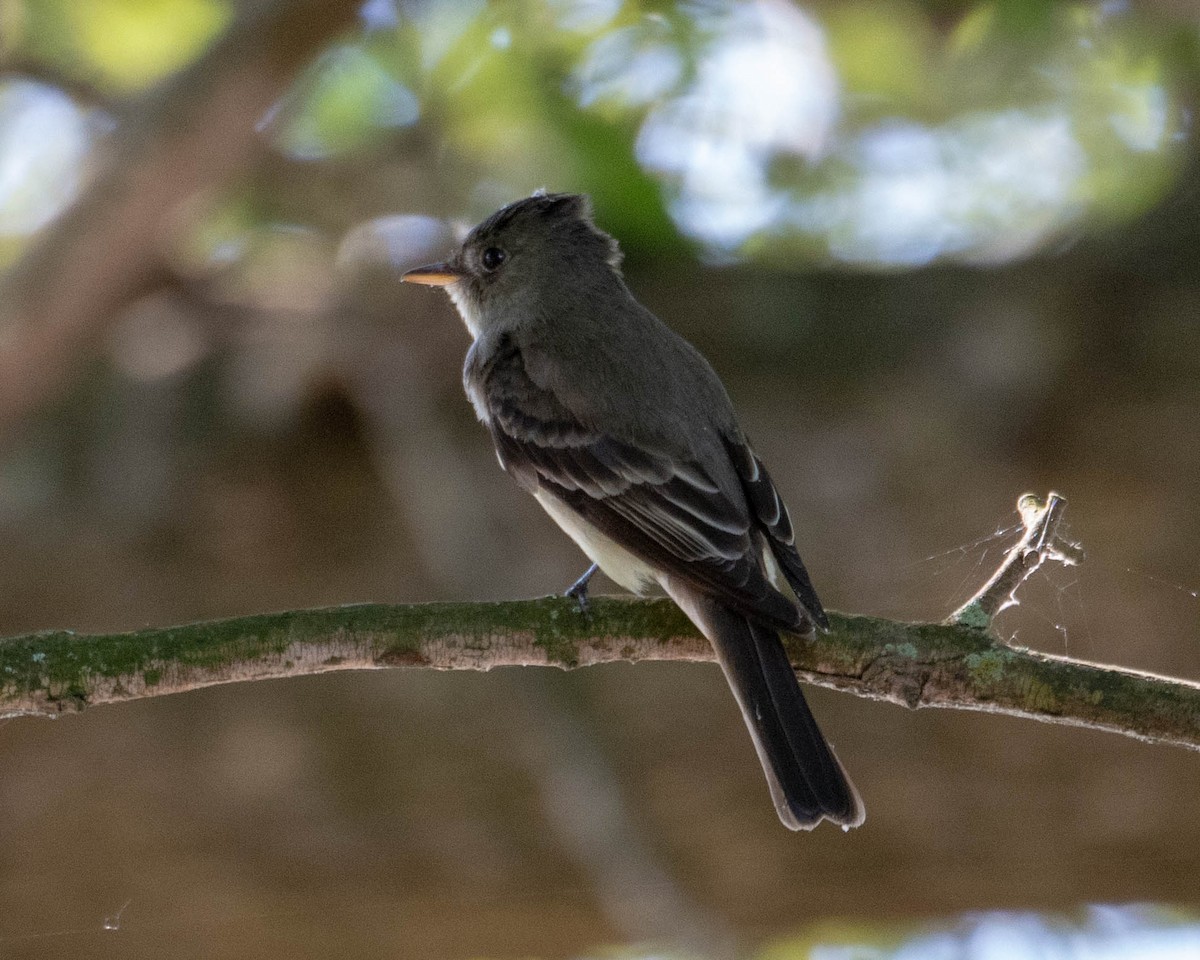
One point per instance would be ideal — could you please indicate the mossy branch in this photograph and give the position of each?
(954, 664)
(914, 664)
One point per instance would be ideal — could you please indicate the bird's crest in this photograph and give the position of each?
(557, 211)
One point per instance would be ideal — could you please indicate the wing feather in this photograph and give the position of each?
(771, 517)
(664, 509)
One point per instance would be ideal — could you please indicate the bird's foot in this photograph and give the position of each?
(578, 591)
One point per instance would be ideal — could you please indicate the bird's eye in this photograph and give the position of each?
(492, 258)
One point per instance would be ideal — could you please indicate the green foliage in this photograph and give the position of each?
(986, 136)
(122, 45)
(881, 136)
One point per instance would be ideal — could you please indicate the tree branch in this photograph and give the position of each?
(915, 665)
(1039, 543)
(192, 133)
(954, 664)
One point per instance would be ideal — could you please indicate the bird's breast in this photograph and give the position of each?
(618, 564)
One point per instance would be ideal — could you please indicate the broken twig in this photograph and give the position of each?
(1041, 542)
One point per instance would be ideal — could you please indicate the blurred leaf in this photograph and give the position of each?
(12, 26)
(347, 100)
(882, 51)
(972, 30)
(132, 43)
(1024, 20)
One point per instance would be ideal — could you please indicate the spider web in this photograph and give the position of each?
(1082, 611)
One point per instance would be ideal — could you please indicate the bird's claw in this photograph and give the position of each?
(578, 591)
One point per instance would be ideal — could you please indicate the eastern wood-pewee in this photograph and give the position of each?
(625, 435)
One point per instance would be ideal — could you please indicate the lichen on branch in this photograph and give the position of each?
(955, 664)
(913, 664)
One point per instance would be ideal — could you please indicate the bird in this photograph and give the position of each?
(625, 435)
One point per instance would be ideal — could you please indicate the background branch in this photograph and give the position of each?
(193, 133)
(913, 664)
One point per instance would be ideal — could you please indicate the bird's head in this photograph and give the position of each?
(521, 261)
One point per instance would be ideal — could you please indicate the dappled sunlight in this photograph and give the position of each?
(45, 139)
(765, 87)
(630, 66)
(346, 100)
(769, 131)
(131, 44)
(983, 185)
(986, 188)
(394, 244)
(1135, 932)
(758, 145)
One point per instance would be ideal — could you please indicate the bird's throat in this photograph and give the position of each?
(468, 309)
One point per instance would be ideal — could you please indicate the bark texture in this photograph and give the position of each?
(912, 664)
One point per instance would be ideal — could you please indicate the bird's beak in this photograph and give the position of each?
(434, 275)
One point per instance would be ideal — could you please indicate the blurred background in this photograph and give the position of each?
(941, 253)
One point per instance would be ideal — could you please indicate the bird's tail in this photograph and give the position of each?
(806, 779)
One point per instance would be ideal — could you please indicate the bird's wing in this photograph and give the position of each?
(664, 509)
(771, 517)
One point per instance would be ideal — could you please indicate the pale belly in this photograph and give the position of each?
(617, 563)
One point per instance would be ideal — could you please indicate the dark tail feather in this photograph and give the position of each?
(838, 799)
(807, 782)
